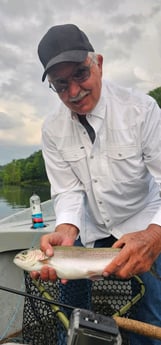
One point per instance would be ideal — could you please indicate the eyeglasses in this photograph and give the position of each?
(81, 74)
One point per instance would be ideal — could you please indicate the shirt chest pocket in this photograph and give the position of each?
(123, 163)
(76, 158)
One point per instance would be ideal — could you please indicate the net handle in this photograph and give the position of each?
(138, 327)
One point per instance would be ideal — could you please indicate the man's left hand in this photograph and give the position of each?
(139, 250)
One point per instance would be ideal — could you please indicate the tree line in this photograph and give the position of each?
(156, 94)
(22, 171)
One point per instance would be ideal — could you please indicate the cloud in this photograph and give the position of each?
(126, 33)
(7, 122)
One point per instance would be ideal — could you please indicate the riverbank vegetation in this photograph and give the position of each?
(23, 171)
(32, 169)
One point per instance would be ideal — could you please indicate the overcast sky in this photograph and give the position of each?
(125, 32)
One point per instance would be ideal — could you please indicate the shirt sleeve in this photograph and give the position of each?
(151, 145)
(66, 189)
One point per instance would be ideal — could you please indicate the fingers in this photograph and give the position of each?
(34, 275)
(46, 244)
(48, 241)
(120, 266)
(131, 259)
(54, 239)
(124, 266)
(119, 244)
(49, 251)
(64, 281)
(117, 270)
(46, 273)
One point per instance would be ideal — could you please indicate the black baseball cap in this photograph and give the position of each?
(63, 43)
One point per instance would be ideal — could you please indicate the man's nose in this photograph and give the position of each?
(73, 88)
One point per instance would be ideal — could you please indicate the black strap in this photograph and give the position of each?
(88, 127)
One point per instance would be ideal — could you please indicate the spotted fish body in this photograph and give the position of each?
(68, 262)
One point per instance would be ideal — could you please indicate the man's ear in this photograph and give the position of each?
(100, 62)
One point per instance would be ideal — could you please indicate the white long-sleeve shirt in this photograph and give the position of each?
(113, 185)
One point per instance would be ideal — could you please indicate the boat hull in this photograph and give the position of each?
(16, 234)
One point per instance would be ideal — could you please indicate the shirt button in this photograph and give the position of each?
(100, 202)
(107, 220)
(92, 157)
(95, 181)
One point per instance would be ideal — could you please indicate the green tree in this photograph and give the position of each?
(156, 93)
(11, 173)
(23, 170)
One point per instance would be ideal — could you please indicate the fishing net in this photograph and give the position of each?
(41, 322)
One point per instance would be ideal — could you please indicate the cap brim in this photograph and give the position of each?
(69, 56)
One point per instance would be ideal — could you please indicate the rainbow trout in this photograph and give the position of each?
(68, 262)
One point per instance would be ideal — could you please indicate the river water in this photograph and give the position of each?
(16, 198)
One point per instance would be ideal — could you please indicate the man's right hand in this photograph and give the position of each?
(64, 235)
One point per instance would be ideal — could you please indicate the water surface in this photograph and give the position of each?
(16, 198)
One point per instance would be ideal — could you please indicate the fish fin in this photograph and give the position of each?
(94, 276)
(45, 261)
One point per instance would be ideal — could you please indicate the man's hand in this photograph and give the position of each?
(64, 235)
(139, 250)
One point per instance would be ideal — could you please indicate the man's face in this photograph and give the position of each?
(78, 85)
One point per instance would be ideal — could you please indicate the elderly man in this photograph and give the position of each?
(102, 151)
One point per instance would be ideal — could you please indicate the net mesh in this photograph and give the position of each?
(41, 325)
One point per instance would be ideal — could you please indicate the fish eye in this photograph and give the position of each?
(24, 252)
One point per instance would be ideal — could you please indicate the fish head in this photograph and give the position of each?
(30, 259)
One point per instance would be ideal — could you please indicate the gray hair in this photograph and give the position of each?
(93, 57)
